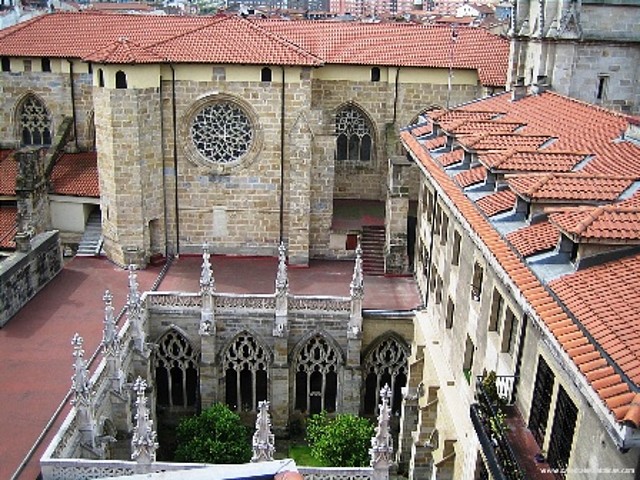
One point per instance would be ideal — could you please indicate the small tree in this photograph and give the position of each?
(341, 442)
(215, 436)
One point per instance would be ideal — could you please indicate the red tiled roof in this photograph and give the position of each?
(76, 174)
(536, 238)
(576, 126)
(504, 141)
(435, 142)
(451, 158)
(531, 161)
(124, 51)
(424, 129)
(497, 202)
(399, 44)
(8, 218)
(471, 177)
(612, 223)
(573, 186)
(232, 39)
(8, 173)
(605, 300)
(588, 358)
(476, 127)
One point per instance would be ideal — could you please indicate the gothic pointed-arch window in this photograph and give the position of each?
(176, 365)
(35, 122)
(354, 142)
(386, 364)
(246, 365)
(121, 79)
(316, 376)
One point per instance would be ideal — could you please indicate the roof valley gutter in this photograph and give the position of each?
(175, 156)
(73, 104)
(282, 124)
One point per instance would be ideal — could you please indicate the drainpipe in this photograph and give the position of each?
(432, 234)
(164, 182)
(282, 112)
(73, 104)
(395, 97)
(175, 155)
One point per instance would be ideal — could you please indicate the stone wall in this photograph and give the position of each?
(25, 273)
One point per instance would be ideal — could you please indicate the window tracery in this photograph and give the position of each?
(246, 373)
(386, 364)
(176, 365)
(35, 122)
(354, 136)
(222, 132)
(317, 376)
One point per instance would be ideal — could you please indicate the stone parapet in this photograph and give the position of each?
(25, 273)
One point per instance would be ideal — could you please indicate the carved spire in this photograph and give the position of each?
(282, 293)
(207, 282)
(381, 450)
(134, 294)
(207, 288)
(109, 338)
(282, 280)
(80, 379)
(357, 281)
(143, 443)
(263, 439)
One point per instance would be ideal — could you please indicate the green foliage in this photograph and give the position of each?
(303, 457)
(341, 442)
(215, 436)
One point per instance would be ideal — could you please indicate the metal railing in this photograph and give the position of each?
(489, 422)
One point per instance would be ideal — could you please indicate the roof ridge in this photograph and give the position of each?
(543, 180)
(600, 108)
(591, 216)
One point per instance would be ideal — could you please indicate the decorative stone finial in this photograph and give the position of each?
(381, 449)
(109, 332)
(134, 294)
(282, 280)
(80, 379)
(263, 439)
(207, 282)
(357, 281)
(144, 442)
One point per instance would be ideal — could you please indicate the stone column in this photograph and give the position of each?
(32, 197)
(111, 348)
(397, 210)
(353, 370)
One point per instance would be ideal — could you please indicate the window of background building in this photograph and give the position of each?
(375, 74)
(449, 314)
(541, 401)
(561, 440)
(476, 285)
(496, 310)
(509, 328)
(444, 228)
(245, 364)
(316, 377)
(176, 368)
(45, 63)
(6, 64)
(121, 79)
(354, 139)
(265, 74)
(601, 90)
(467, 362)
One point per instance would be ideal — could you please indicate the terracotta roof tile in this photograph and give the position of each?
(610, 223)
(8, 173)
(577, 128)
(530, 161)
(573, 186)
(465, 126)
(8, 218)
(451, 158)
(606, 296)
(633, 414)
(471, 177)
(436, 142)
(497, 202)
(76, 174)
(232, 39)
(533, 239)
(503, 141)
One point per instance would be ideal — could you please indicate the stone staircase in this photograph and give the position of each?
(372, 244)
(91, 242)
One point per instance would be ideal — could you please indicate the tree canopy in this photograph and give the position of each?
(340, 442)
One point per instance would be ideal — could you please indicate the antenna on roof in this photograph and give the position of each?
(454, 38)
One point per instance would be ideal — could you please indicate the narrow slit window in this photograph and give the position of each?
(265, 74)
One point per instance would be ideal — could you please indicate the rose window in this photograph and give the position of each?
(222, 132)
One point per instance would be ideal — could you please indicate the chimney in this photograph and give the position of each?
(632, 133)
(518, 90)
(540, 86)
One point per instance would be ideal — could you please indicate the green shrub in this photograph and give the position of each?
(215, 436)
(341, 442)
